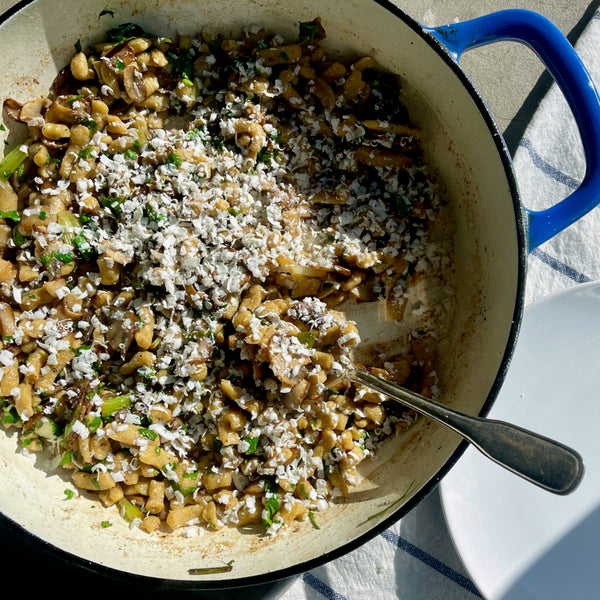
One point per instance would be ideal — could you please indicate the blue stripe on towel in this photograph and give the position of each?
(554, 173)
(431, 561)
(561, 267)
(546, 168)
(321, 587)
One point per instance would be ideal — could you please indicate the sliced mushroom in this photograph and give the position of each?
(55, 144)
(67, 110)
(32, 112)
(64, 84)
(134, 84)
(121, 331)
(12, 108)
(118, 57)
(287, 359)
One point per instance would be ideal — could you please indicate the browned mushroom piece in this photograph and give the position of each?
(12, 109)
(55, 144)
(68, 109)
(32, 112)
(134, 84)
(118, 57)
(121, 331)
(287, 359)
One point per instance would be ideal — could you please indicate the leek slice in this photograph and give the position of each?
(11, 162)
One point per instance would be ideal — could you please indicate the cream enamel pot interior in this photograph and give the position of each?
(492, 236)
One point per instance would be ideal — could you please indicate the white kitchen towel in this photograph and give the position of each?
(415, 559)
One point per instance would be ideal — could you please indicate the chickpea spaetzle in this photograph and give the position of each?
(180, 234)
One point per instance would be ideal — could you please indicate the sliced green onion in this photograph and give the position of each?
(70, 222)
(308, 337)
(311, 517)
(47, 428)
(129, 511)
(11, 162)
(211, 570)
(114, 404)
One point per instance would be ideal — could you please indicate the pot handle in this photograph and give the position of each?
(561, 59)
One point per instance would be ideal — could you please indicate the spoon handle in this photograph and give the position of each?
(538, 459)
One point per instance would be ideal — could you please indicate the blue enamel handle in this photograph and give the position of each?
(559, 57)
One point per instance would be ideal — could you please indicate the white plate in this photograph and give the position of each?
(519, 542)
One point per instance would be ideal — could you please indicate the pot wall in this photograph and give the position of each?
(38, 40)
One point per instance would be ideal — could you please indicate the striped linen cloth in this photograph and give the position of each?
(415, 559)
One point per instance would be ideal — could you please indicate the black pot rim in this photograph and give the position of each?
(299, 568)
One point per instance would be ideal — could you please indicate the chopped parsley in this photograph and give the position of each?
(308, 30)
(252, 444)
(90, 124)
(401, 205)
(11, 215)
(113, 205)
(130, 154)
(84, 153)
(174, 159)
(271, 504)
(126, 31)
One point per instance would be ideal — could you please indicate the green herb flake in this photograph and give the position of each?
(66, 258)
(10, 416)
(271, 504)
(105, 524)
(308, 338)
(83, 246)
(113, 205)
(90, 124)
(147, 433)
(65, 460)
(130, 154)
(153, 216)
(84, 153)
(401, 205)
(11, 215)
(308, 30)
(264, 155)
(125, 31)
(69, 494)
(119, 66)
(217, 444)
(18, 238)
(252, 444)
(174, 159)
(313, 521)
(218, 142)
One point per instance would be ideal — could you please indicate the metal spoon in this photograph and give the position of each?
(538, 459)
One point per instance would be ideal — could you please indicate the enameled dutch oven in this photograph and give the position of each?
(493, 236)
